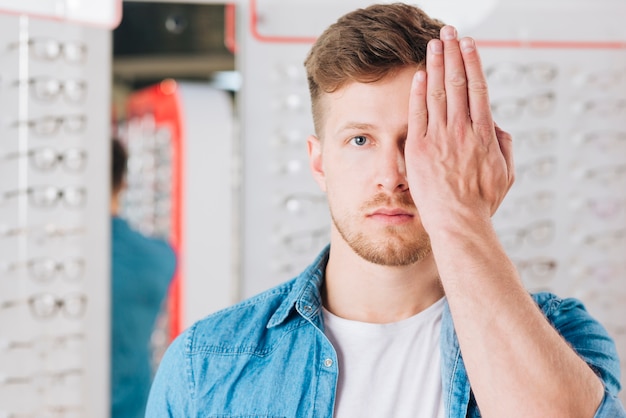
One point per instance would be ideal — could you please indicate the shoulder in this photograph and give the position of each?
(566, 313)
(124, 239)
(587, 336)
(245, 326)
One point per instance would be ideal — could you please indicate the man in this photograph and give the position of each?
(141, 271)
(414, 310)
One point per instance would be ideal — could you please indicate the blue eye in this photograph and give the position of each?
(359, 140)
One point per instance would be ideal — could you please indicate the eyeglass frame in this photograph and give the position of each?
(62, 47)
(60, 193)
(58, 157)
(55, 304)
(55, 268)
(62, 88)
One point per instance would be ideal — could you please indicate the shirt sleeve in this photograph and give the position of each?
(171, 394)
(593, 344)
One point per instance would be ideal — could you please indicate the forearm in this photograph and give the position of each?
(517, 363)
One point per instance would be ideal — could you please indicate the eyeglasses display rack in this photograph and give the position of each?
(181, 148)
(54, 218)
(559, 89)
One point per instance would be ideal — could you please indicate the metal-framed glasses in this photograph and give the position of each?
(48, 89)
(48, 49)
(51, 125)
(46, 159)
(49, 196)
(539, 104)
(537, 268)
(46, 305)
(536, 234)
(44, 269)
(511, 72)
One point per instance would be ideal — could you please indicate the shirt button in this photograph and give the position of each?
(307, 308)
(328, 362)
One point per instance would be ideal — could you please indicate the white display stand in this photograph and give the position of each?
(54, 218)
(101, 13)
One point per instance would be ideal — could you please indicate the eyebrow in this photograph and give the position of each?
(356, 126)
(361, 126)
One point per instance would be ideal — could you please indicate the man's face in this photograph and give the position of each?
(359, 163)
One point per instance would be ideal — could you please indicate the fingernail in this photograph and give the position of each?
(436, 46)
(448, 33)
(467, 45)
(420, 76)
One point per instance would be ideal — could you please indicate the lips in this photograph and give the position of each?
(390, 212)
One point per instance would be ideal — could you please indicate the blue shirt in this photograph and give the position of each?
(142, 269)
(268, 357)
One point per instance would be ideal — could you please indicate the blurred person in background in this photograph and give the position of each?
(141, 271)
(414, 310)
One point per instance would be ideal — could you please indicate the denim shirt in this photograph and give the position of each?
(268, 357)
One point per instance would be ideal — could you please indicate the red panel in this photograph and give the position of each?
(163, 102)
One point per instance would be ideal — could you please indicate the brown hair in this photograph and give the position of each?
(365, 46)
(119, 159)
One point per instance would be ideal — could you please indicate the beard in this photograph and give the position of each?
(398, 246)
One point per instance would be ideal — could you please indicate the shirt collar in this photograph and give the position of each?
(305, 295)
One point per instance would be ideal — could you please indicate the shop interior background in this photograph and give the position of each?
(211, 100)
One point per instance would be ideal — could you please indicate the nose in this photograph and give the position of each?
(392, 170)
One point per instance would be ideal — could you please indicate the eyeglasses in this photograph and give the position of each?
(43, 270)
(50, 125)
(288, 137)
(293, 166)
(606, 174)
(603, 208)
(7, 231)
(538, 139)
(302, 202)
(46, 159)
(292, 102)
(539, 104)
(538, 202)
(289, 71)
(537, 234)
(43, 380)
(604, 140)
(603, 79)
(306, 241)
(60, 411)
(541, 168)
(538, 268)
(608, 107)
(510, 72)
(47, 89)
(598, 273)
(73, 52)
(45, 305)
(41, 233)
(49, 196)
(606, 240)
(43, 345)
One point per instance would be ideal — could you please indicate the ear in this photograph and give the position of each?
(314, 148)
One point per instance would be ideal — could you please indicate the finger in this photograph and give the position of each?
(435, 90)
(455, 79)
(478, 95)
(418, 111)
(506, 147)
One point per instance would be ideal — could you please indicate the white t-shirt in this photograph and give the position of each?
(388, 370)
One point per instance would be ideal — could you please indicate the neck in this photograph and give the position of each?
(115, 205)
(358, 290)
